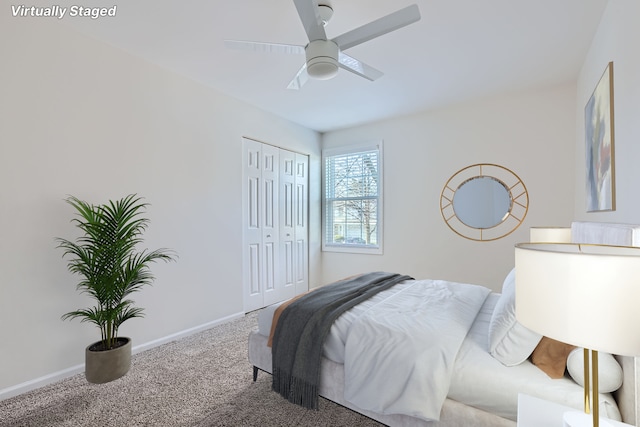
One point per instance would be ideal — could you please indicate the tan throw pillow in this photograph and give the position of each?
(551, 356)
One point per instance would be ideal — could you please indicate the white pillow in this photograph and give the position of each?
(610, 373)
(509, 341)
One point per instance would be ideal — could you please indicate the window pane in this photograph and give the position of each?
(354, 222)
(352, 175)
(352, 198)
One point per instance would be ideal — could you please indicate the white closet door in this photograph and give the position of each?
(271, 224)
(301, 216)
(252, 222)
(287, 223)
(275, 253)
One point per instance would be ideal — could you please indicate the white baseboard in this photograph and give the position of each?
(185, 333)
(53, 377)
(40, 382)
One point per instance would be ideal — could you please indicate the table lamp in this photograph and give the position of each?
(550, 234)
(584, 295)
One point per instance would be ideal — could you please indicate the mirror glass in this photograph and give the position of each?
(482, 202)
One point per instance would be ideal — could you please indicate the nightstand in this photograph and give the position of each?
(536, 412)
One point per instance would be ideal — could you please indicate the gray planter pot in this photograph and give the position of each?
(107, 365)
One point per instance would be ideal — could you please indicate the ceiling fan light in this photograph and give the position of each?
(322, 68)
(322, 59)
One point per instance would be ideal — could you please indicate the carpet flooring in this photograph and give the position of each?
(202, 380)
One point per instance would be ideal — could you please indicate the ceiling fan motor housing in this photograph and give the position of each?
(322, 59)
(326, 12)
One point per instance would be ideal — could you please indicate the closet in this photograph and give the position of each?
(275, 218)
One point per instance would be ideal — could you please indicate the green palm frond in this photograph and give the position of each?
(107, 258)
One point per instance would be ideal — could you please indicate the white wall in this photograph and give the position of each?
(617, 41)
(531, 134)
(80, 118)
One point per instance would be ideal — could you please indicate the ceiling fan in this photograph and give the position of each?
(324, 56)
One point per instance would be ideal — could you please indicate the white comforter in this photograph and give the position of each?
(399, 354)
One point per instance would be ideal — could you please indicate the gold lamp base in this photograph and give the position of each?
(591, 415)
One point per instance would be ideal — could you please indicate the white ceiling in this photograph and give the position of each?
(460, 50)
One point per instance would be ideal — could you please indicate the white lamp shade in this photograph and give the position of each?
(585, 295)
(550, 234)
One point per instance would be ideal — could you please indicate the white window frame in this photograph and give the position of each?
(361, 249)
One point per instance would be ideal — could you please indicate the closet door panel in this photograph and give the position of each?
(252, 280)
(287, 223)
(271, 223)
(301, 230)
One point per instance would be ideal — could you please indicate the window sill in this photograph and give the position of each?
(353, 249)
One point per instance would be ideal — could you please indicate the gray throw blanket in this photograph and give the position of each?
(303, 326)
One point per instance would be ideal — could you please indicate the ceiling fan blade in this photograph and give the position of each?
(300, 79)
(310, 18)
(384, 25)
(349, 63)
(264, 47)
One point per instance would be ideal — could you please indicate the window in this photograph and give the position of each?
(352, 180)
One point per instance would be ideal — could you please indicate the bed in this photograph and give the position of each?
(489, 367)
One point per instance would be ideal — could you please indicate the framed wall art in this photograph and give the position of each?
(599, 137)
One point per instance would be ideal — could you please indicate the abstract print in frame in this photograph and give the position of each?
(599, 145)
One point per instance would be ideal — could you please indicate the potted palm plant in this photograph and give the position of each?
(112, 267)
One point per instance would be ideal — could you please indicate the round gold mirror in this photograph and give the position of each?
(484, 202)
